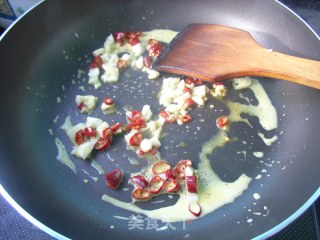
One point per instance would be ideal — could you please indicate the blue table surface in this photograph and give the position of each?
(14, 226)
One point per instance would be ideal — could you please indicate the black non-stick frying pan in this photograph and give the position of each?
(41, 55)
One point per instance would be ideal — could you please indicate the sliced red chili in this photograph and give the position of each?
(119, 37)
(189, 80)
(170, 174)
(198, 81)
(191, 182)
(163, 114)
(102, 144)
(96, 62)
(107, 133)
(79, 137)
(152, 151)
(218, 83)
(141, 194)
(171, 186)
(187, 89)
(89, 132)
(154, 48)
(133, 41)
(127, 35)
(116, 127)
(160, 167)
(151, 42)
(185, 118)
(81, 105)
(133, 115)
(179, 170)
(136, 139)
(114, 178)
(156, 183)
(137, 124)
(138, 34)
(108, 101)
(147, 61)
(221, 121)
(133, 37)
(188, 103)
(122, 64)
(140, 181)
(195, 209)
(166, 117)
(187, 162)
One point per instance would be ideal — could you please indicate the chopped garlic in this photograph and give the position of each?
(218, 90)
(241, 83)
(146, 145)
(94, 77)
(153, 74)
(137, 49)
(108, 108)
(83, 150)
(87, 103)
(139, 63)
(146, 113)
(108, 44)
(93, 122)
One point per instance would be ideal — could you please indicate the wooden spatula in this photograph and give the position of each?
(215, 53)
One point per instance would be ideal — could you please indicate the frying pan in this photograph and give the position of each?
(41, 55)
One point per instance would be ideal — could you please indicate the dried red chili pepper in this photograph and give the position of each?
(102, 144)
(133, 115)
(221, 121)
(147, 62)
(152, 151)
(141, 194)
(107, 133)
(114, 178)
(119, 37)
(188, 103)
(185, 118)
(179, 170)
(136, 139)
(96, 62)
(187, 89)
(89, 132)
(108, 101)
(166, 117)
(81, 106)
(140, 181)
(160, 168)
(189, 80)
(191, 182)
(137, 124)
(122, 64)
(154, 47)
(156, 184)
(116, 127)
(198, 81)
(79, 137)
(171, 186)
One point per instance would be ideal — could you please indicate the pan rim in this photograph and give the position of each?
(19, 19)
(57, 235)
(297, 16)
(29, 217)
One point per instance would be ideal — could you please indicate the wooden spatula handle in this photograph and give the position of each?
(286, 67)
(217, 53)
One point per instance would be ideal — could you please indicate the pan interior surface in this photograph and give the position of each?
(47, 66)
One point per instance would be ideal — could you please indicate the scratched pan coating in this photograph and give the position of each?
(44, 51)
